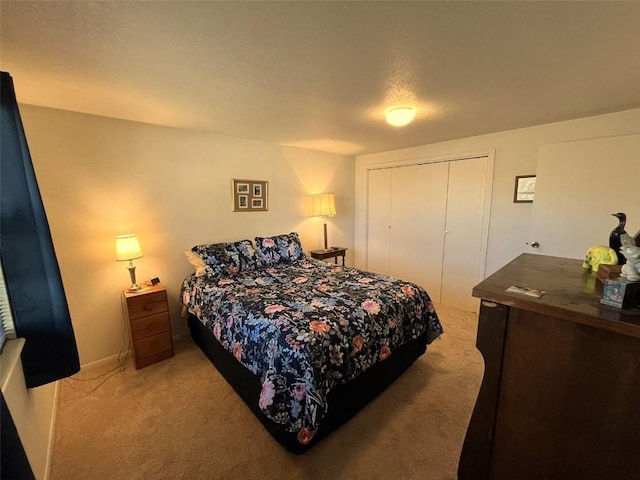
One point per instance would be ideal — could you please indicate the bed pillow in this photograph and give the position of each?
(247, 254)
(279, 249)
(226, 258)
(219, 258)
(197, 262)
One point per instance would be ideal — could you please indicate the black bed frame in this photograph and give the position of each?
(344, 401)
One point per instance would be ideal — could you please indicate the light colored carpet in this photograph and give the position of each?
(179, 419)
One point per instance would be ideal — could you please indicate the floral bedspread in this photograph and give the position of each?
(307, 326)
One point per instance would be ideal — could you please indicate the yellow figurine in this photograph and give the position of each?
(598, 254)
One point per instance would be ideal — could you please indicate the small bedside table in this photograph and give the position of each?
(330, 253)
(147, 313)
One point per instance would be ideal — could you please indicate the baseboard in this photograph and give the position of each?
(105, 361)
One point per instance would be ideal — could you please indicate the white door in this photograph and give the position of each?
(418, 209)
(578, 186)
(378, 220)
(463, 247)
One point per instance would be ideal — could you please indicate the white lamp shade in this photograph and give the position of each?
(324, 205)
(127, 248)
(400, 116)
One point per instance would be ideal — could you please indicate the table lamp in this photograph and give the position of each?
(324, 206)
(128, 249)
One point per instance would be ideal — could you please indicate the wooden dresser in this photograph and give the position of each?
(147, 313)
(560, 397)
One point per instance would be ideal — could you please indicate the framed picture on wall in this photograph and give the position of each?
(249, 195)
(525, 189)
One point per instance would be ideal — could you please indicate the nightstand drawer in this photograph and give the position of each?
(148, 304)
(153, 345)
(151, 325)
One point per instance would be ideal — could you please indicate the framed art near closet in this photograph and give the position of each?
(525, 189)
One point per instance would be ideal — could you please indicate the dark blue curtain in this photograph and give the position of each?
(39, 306)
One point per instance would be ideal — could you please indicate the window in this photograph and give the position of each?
(7, 329)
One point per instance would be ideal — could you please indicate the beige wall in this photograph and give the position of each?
(32, 410)
(516, 153)
(101, 177)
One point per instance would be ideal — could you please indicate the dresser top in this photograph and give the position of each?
(144, 290)
(571, 293)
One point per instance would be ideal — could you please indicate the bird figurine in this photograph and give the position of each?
(627, 239)
(615, 238)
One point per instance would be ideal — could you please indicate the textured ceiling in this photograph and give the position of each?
(320, 75)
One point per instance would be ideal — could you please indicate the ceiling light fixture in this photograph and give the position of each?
(400, 116)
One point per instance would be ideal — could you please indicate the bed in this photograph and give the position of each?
(306, 344)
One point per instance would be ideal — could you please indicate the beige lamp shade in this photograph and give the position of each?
(127, 248)
(324, 205)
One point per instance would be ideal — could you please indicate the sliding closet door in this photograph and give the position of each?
(427, 223)
(463, 246)
(378, 220)
(418, 208)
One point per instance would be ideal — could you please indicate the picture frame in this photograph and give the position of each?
(249, 195)
(525, 189)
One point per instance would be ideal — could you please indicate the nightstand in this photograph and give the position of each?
(333, 252)
(147, 313)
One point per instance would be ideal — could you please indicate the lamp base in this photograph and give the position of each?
(325, 235)
(132, 273)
